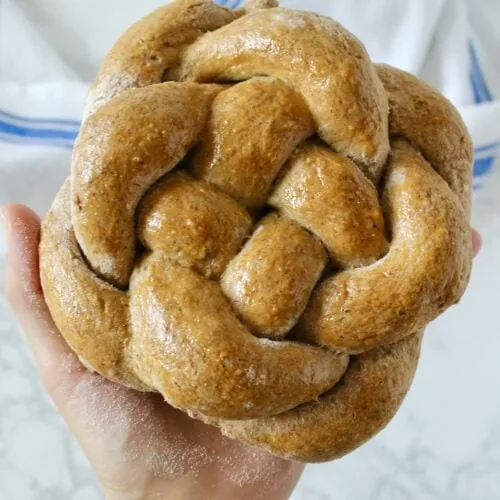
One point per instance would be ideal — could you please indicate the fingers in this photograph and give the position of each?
(476, 242)
(24, 292)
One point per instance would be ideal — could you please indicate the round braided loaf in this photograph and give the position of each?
(259, 224)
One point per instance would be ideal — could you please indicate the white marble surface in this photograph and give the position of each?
(443, 445)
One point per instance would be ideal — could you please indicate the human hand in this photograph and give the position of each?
(139, 446)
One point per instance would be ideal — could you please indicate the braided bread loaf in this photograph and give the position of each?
(259, 224)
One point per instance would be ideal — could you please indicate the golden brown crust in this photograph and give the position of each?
(430, 123)
(91, 314)
(109, 157)
(246, 169)
(208, 247)
(153, 46)
(327, 194)
(316, 57)
(201, 358)
(260, 4)
(271, 296)
(342, 419)
(426, 270)
(193, 224)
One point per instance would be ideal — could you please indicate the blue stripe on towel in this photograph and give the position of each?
(483, 166)
(11, 117)
(488, 147)
(36, 141)
(486, 156)
(12, 129)
(477, 79)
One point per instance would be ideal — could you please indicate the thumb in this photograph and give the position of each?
(476, 242)
(25, 295)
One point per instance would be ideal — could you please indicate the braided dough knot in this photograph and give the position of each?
(259, 224)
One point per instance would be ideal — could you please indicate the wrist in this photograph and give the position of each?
(201, 488)
(154, 490)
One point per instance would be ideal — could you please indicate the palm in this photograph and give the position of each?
(135, 441)
(134, 438)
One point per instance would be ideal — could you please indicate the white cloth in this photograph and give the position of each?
(50, 50)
